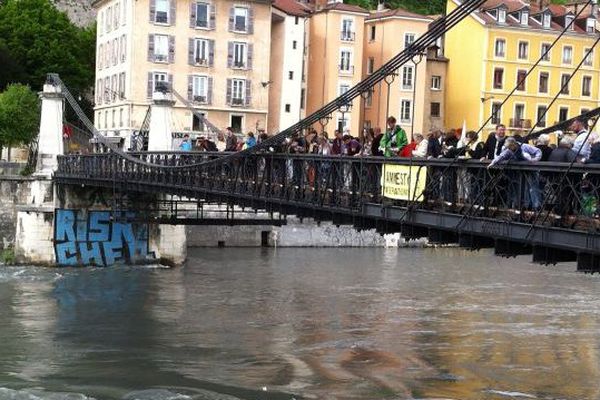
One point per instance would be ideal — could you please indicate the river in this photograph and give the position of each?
(302, 323)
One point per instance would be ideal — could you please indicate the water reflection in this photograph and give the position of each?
(320, 323)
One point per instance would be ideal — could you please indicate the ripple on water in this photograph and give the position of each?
(34, 394)
(28, 274)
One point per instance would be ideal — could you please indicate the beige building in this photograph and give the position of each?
(335, 61)
(415, 96)
(214, 53)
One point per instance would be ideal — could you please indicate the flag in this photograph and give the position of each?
(463, 135)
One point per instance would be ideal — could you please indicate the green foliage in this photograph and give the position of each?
(19, 115)
(36, 38)
(7, 256)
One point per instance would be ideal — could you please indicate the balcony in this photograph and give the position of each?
(160, 58)
(200, 99)
(203, 62)
(347, 36)
(162, 17)
(235, 101)
(239, 65)
(519, 123)
(346, 69)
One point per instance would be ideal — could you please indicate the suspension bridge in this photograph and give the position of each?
(449, 201)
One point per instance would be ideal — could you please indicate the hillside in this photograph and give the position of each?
(79, 11)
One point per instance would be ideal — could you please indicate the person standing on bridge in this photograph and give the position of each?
(495, 143)
(582, 146)
(230, 140)
(394, 139)
(186, 144)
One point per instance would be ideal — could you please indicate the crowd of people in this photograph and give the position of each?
(498, 148)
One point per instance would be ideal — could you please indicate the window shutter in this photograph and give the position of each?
(193, 15)
(170, 78)
(151, 48)
(250, 55)
(229, 90)
(229, 54)
(190, 91)
(152, 11)
(209, 91)
(250, 21)
(211, 53)
(171, 49)
(173, 12)
(231, 18)
(191, 51)
(213, 17)
(150, 88)
(248, 93)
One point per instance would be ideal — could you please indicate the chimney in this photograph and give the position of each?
(380, 5)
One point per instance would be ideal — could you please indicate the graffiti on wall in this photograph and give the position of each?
(99, 238)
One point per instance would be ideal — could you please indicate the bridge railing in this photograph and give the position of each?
(549, 194)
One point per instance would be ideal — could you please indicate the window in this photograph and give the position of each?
(589, 57)
(347, 30)
(114, 117)
(238, 89)
(567, 55)
(586, 86)
(501, 16)
(108, 19)
(123, 48)
(569, 22)
(121, 118)
(101, 23)
(294, 44)
(372, 33)
(564, 83)
(302, 97)
(107, 96)
(546, 20)
(161, 48)
(523, 50)
(563, 114)
(519, 113)
(200, 88)
(115, 52)
(160, 81)
(100, 57)
(291, 75)
(345, 61)
(124, 19)
(370, 65)
(435, 110)
(545, 52)
(201, 51)
(287, 108)
(524, 18)
(106, 119)
(406, 111)
(498, 78)
(239, 55)
(198, 122)
(99, 91)
(436, 82)
(113, 87)
(296, 20)
(162, 11)
(122, 85)
(541, 116)
(202, 15)
(117, 15)
(496, 113)
(408, 73)
(500, 48)
(521, 77)
(544, 78)
(344, 87)
(590, 26)
(369, 99)
(409, 38)
(240, 19)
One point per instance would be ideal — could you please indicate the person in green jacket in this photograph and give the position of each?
(394, 139)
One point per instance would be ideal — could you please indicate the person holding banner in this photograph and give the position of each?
(394, 139)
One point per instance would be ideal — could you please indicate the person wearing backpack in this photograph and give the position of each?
(394, 139)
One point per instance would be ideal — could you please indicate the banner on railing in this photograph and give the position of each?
(403, 182)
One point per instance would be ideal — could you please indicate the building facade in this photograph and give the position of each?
(335, 62)
(409, 96)
(509, 36)
(289, 53)
(215, 54)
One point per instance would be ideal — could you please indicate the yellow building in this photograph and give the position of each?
(416, 93)
(492, 50)
(214, 53)
(335, 61)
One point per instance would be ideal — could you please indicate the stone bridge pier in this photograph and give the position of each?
(79, 226)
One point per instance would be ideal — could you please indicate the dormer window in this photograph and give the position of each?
(501, 16)
(569, 22)
(524, 18)
(546, 18)
(590, 25)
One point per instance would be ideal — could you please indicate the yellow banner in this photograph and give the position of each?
(402, 182)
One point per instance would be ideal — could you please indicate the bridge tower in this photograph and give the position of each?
(160, 136)
(50, 142)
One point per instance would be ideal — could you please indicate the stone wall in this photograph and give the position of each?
(13, 190)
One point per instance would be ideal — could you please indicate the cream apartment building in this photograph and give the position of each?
(335, 61)
(214, 53)
(416, 93)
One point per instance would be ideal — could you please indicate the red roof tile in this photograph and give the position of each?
(397, 12)
(292, 7)
(344, 7)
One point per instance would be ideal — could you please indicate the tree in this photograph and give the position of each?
(19, 115)
(40, 39)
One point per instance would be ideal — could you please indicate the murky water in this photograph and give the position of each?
(303, 323)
